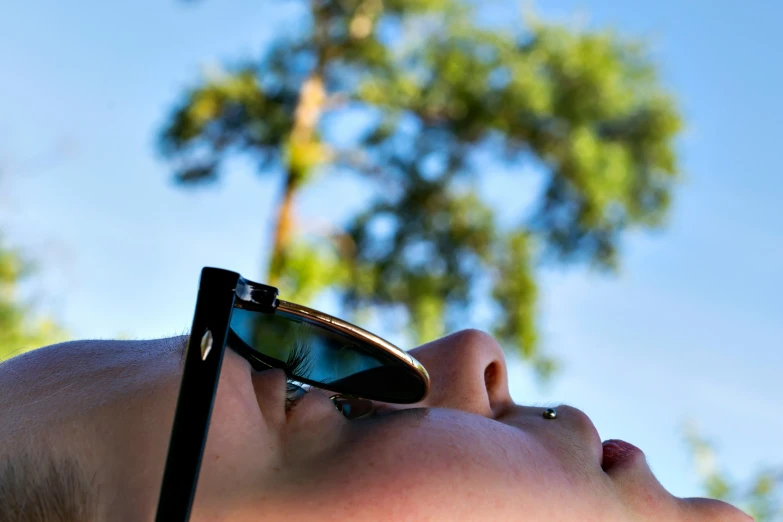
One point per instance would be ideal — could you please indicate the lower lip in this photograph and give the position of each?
(617, 453)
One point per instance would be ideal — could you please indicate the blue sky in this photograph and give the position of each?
(690, 329)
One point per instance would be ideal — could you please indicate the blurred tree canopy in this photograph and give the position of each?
(409, 96)
(18, 331)
(761, 497)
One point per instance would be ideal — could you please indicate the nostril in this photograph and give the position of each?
(491, 376)
(496, 388)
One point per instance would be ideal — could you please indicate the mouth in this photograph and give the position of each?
(617, 454)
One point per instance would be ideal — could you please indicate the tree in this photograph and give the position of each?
(761, 497)
(18, 331)
(429, 95)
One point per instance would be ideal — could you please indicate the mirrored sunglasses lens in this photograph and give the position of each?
(310, 352)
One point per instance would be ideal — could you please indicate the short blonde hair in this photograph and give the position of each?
(35, 487)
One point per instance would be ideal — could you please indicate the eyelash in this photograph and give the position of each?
(298, 365)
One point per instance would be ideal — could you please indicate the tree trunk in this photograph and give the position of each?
(302, 158)
(303, 145)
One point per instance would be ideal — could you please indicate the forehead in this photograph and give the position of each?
(71, 379)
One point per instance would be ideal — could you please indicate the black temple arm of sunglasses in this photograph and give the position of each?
(203, 360)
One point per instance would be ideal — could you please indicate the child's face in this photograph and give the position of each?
(465, 453)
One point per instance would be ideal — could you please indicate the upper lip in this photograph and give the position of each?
(586, 428)
(569, 418)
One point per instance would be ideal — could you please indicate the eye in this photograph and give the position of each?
(293, 394)
(353, 407)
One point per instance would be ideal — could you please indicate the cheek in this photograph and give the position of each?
(236, 411)
(239, 445)
(455, 470)
(236, 421)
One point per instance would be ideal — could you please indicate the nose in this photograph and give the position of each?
(468, 372)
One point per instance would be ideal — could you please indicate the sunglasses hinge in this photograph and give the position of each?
(261, 295)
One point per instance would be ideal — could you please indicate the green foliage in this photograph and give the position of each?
(311, 266)
(760, 497)
(441, 238)
(439, 92)
(231, 113)
(18, 333)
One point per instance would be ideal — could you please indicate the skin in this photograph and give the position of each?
(465, 453)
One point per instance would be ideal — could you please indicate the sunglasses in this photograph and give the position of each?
(310, 346)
